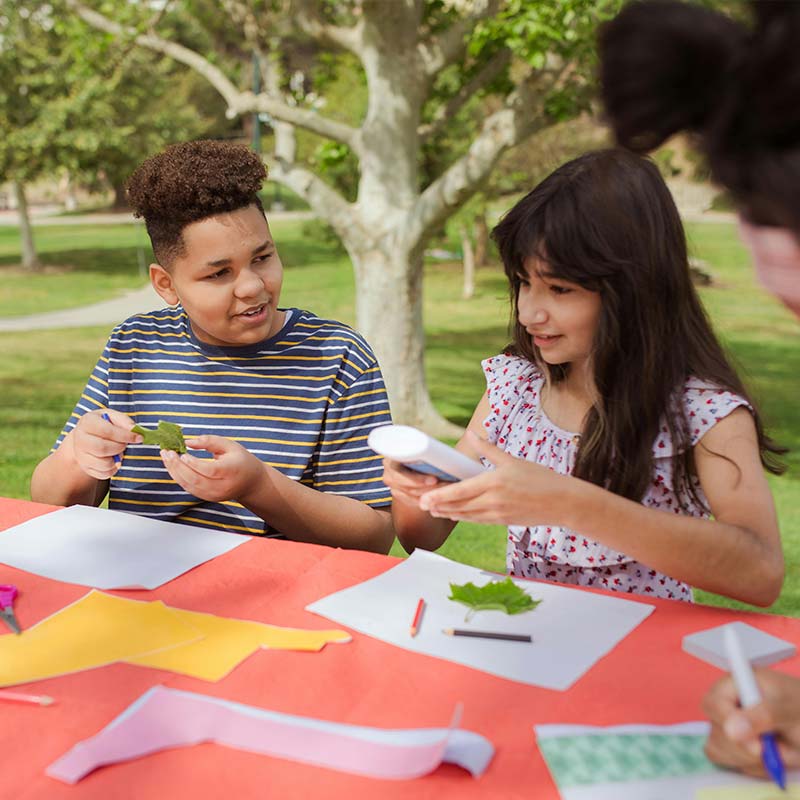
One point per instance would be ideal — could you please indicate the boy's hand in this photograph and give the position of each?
(405, 484)
(232, 474)
(95, 441)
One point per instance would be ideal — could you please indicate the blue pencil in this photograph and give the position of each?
(117, 459)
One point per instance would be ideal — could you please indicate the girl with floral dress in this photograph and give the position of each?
(741, 108)
(626, 453)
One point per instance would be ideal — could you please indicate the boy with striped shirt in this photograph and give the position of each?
(277, 402)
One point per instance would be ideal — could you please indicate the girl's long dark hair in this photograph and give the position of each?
(607, 222)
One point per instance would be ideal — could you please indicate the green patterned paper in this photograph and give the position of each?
(616, 758)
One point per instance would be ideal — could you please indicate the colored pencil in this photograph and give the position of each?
(18, 697)
(105, 416)
(509, 637)
(417, 617)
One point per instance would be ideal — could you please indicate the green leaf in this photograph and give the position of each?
(495, 595)
(168, 436)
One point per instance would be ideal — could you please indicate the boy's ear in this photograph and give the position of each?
(162, 283)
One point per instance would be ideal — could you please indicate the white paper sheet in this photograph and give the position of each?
(110, 549)
(571, 629)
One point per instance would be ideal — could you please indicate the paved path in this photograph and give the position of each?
(48, 215)
(108, 312)
(54, 215)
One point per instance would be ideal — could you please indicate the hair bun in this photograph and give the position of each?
(663, 68)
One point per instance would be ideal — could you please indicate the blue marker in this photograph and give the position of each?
(117, 459)
(747, 688)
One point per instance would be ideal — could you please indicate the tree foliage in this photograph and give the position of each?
(438, 91)
(71, 100)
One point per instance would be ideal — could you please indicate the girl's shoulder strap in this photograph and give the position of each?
(505, 368)
(512, 383)
(703, 404)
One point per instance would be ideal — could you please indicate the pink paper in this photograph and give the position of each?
(164, 718)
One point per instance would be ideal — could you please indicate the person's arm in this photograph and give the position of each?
(300, 512)
(737, 554)
(733, 741)
(79, 470)
(415, 527)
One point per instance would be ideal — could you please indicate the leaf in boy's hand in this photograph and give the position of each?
(168, 436)
(495, 595)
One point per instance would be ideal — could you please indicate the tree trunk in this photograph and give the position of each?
(481, 239)
(398, 338)
(30, 259)
(120, 199)
(468, 260)
(67, 190)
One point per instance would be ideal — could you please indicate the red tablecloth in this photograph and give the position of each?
(647, 678)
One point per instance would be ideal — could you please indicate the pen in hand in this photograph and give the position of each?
(749, 695)
(105, 416)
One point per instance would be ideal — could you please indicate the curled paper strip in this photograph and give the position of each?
(163, 718)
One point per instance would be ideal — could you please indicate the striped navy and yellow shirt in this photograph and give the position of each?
(303, 401)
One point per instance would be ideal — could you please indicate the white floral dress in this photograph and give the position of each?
(518, 425)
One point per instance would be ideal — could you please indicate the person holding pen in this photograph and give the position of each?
(735, 731)
(673, 66)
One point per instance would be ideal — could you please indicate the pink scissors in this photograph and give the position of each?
(7, 594)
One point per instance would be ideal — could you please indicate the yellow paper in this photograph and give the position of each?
(766, 790)
(227, 642)
(96, 630)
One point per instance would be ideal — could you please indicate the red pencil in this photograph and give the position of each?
(417, 617)
(19, 697)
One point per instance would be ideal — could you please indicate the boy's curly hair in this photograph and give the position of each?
(191, 181)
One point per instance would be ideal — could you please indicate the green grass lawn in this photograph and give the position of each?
(83, 264)
(43, 373)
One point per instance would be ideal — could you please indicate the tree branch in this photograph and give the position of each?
(324, 200)
(184, 55)
(308, 20)
(238, 102)
(310, 120)
(490, 70)
(502, 130)
(451, 43)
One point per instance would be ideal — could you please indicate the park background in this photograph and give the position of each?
(497, 94)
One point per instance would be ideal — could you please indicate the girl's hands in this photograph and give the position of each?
(733, 741)
(516, 492)
(95, 441)
(232, 474)
(405, 484)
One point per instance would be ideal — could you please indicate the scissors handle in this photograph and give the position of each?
(8, 616)
(8, 593)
